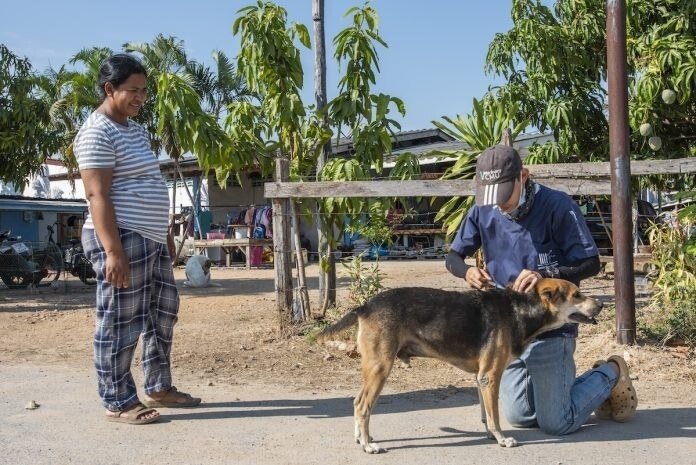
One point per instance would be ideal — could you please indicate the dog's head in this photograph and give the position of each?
(564, 300)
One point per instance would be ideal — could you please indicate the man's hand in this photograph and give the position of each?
(478, 278)
(526, 281)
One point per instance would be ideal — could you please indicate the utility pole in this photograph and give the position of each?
(621, 210)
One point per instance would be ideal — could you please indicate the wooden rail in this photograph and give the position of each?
(570, 178)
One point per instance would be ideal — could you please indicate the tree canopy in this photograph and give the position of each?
(187, 101)
(554, 63)
(26, 138)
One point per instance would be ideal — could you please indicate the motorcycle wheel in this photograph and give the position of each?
(51, 266)
(54, 262)
(85, 271)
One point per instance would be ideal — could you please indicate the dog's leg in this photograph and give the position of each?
(483, 412)
(492, 362)
(489, 383)
(375, 370)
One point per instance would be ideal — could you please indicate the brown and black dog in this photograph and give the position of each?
(477, 331)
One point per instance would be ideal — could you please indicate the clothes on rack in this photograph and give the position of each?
(255, 216)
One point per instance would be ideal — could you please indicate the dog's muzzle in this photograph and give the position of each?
(587, 316)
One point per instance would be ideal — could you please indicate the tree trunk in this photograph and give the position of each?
(172, 220)
(327, 275)
(301, 297)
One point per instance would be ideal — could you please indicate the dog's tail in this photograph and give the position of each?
(349, 319)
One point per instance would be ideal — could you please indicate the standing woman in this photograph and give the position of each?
(126, 238)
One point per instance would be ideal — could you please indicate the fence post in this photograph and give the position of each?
(507, 137)
(282, 251)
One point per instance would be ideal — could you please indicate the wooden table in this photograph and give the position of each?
(405, 233)
(229, 245)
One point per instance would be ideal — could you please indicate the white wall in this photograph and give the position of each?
(182, 198)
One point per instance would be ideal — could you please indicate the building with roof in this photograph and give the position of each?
(29, 217)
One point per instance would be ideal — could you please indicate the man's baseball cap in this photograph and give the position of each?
(497, 169)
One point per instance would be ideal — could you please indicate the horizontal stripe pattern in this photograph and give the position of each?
(138, 191)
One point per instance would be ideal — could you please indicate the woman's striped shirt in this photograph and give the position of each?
(138, 191)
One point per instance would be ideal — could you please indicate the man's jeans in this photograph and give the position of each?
(540, 388)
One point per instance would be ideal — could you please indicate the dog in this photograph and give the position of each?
(477, 331)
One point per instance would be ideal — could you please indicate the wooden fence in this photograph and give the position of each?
(573, 178)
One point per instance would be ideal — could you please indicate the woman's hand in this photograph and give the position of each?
(117, 271)
(478, 278)
(526, 281)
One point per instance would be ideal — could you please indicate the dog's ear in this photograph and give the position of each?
(547, 291)
(554, 291)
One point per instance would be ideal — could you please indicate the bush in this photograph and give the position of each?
(676, 325)
(365, 282)
(674, 257)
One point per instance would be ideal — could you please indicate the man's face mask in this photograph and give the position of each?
(512, 214)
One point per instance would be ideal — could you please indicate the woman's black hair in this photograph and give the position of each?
(116, 69)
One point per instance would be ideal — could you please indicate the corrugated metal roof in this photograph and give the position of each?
(522, 142)
(16, 203)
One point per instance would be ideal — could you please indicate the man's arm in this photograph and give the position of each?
(576, 272)
(455, 264)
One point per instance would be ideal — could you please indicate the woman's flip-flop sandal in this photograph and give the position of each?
(623, 398)
(138, 414)
(173, 399)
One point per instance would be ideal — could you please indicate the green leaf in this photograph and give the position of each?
(303, 34)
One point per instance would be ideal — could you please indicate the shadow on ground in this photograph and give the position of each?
(333, 407)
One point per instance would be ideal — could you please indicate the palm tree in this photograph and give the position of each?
(54, 87)
(163, 55)
(70, 97)
(215, 89)
(219, 86)
(187, 101)
(84, 94)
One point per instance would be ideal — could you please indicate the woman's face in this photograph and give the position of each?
(127, 99)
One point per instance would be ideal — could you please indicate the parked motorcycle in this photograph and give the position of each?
(77, 264)
(22, 265)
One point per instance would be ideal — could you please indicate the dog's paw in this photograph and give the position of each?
(508, 442)
(372, 448)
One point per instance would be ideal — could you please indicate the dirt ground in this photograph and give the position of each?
(228, 335)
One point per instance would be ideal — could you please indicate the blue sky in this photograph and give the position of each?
(434, 62)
